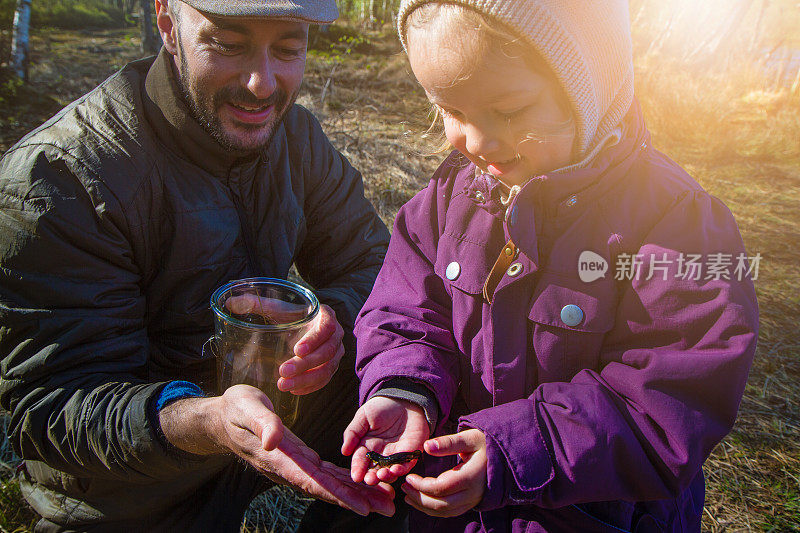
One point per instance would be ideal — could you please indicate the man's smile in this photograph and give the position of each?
(250, 114)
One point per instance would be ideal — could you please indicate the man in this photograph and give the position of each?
(118, 219)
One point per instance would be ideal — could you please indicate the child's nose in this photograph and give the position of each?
(482, 143)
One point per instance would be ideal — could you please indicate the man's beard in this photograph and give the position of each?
(205, 110)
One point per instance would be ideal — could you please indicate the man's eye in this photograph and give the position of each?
(284, 52)
(226, 48)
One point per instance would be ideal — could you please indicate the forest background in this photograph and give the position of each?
(719, 82)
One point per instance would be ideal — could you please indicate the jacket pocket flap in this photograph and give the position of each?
(595, 303)
(463, 264)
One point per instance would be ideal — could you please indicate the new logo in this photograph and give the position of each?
(591, 266)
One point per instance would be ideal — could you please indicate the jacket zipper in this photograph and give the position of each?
(247, 234)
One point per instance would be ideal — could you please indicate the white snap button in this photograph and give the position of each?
(572, 200)
(453, 270)
(514, 269)
(571, 315)
(479, 197)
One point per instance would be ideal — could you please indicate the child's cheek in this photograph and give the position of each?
(455, 136)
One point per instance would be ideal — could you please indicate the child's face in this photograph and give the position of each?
(504, 115)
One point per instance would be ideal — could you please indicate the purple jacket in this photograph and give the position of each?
(597, 417)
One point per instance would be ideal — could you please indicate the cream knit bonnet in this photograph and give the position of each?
(587, 44)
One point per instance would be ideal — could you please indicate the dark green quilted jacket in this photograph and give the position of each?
(118, 219)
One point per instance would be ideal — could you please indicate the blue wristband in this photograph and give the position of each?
(177, 390)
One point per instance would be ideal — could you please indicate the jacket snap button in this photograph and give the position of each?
(453, 270)
(571, 315)
(514, 269)
(572, 201)
(508, 251)
(479, 197)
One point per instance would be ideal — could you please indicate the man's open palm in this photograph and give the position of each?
(295, 463)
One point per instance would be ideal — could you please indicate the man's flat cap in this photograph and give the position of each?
(312, 11)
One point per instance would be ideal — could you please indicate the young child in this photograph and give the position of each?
(553, 306)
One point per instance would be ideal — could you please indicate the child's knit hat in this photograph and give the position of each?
(587, 44)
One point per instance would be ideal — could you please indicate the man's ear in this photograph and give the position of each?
(167, 27)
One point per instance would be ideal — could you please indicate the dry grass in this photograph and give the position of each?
(733, 129)
(277, 510)
(371, 105)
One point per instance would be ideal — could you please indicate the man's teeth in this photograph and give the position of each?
(249, 108)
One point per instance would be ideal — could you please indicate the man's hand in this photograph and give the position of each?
(301, 467)
(385, 426)
(241, 421)
(316, 355)
(457, 490)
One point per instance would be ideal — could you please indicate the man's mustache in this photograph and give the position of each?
(241, 96)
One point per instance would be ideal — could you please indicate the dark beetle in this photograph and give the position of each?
(394, 459)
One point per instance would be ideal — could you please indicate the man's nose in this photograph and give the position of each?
(261, 76)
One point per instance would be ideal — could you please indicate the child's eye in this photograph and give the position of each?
(449, 113)
(510, 115)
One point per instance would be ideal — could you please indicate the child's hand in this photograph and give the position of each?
(459, 489)
(386, 426)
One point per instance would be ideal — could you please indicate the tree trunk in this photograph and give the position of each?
(150, 43)
(19, 40)
(371, 14)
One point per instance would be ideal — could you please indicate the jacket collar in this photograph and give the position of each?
(174, 125)
(572, 189)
